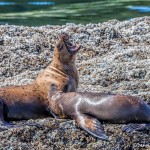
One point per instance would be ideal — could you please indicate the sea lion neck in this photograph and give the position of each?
(53, 100)
(68, 68)
(55, 97)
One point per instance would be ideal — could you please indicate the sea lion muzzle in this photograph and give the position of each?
(72, 48)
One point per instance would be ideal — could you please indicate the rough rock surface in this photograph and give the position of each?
(115, 57)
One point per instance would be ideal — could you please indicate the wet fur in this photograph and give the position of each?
(88, 109)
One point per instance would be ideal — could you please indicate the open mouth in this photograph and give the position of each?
(72, 48)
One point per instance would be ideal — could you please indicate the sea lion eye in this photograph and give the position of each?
(59, 46)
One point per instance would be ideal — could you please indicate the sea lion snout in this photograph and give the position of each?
(65, 49)
(64, 36)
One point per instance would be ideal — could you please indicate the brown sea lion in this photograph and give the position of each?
(88, 109)
(29, 101)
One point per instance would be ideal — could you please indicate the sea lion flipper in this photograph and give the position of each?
(92, 126)
(52, 113)
(135, 127)
(8, 125)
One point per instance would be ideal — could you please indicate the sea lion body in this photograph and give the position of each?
(89, 108)
(19, 103)
(30, 101)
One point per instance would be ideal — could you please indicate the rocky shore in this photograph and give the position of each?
(115, 58)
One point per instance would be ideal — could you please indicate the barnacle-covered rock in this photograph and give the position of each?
(115, 58)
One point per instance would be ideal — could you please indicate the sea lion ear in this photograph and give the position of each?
(53, 87)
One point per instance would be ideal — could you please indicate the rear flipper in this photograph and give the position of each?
(91, 125)
(136, 127)
(7, 125)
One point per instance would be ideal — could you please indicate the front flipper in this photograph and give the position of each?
(136, 127)
(52, 113)
(92, 126)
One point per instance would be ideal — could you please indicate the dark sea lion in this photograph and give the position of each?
(29, 101)
(88, 109)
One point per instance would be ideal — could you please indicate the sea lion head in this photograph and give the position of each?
(65, 50)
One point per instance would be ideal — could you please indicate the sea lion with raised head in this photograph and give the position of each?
(29, 101)
(88, 109)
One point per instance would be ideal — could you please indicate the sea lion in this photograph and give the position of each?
(29, 101)
(88, 109)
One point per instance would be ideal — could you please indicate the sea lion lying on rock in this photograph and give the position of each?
(88, 109)
(29, 101)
